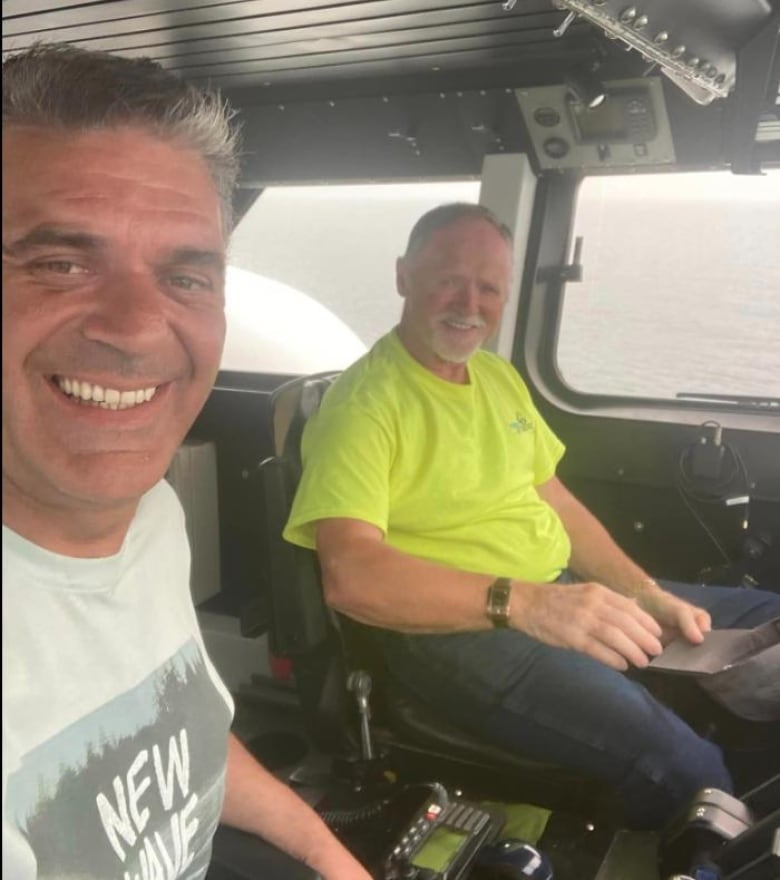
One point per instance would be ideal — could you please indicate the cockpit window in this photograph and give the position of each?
(680, 290)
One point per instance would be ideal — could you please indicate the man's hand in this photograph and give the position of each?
(590, 618)
(676, 616)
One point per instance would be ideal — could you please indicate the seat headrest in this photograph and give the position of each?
(292, 404)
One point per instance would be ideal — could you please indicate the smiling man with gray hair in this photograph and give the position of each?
(117, 755)
(429, 491)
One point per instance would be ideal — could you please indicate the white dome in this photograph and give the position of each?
(274, 328)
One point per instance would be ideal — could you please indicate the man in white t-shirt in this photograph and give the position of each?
(117, 755)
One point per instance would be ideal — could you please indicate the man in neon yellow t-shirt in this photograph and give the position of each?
(430, 495)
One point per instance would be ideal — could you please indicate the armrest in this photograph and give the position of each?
(237, 855)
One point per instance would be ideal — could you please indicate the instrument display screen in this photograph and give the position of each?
(626, 116)
(439, 849)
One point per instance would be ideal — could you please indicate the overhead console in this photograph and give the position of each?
(718, 52)
(626, 125)
(694, 43)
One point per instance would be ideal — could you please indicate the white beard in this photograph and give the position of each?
(448, 349)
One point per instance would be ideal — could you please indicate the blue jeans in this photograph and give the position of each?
(562, 707)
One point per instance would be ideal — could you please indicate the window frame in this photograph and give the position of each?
(539, 318)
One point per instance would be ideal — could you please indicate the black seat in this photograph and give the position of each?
(324, 647)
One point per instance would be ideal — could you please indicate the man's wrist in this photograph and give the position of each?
(646, 588)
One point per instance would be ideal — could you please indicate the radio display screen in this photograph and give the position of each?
(439, 849)
(624, 114)
(605, 122)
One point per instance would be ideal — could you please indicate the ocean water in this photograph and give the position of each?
(696, 308)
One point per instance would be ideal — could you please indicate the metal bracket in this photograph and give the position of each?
(568, 273)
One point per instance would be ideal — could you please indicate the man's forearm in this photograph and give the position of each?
(377, 584)
(596, 557)
(374, 583)
(594, 554)
(257, 802)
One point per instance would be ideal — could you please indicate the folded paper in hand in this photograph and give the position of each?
(740, 668)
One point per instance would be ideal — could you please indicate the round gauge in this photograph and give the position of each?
(547, 116)
(556, 147)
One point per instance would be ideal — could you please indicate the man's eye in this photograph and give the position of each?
(190, 282)
(60, 267)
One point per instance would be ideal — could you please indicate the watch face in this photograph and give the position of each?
(498, 602)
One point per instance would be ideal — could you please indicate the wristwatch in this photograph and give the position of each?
(497, 608)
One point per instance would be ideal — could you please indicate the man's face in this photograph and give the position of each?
(455, 289)
(113, 273)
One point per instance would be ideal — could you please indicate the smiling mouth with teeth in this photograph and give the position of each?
(106, 398)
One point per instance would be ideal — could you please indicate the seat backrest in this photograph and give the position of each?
(302, 627)
(300, 620)
(291, 406)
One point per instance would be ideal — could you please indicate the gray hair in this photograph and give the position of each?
(62, 86)
(447, 215)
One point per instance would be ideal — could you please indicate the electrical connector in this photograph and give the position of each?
(707, 457)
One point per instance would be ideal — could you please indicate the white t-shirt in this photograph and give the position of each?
(115, 722)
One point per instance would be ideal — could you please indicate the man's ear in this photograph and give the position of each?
(400, 277)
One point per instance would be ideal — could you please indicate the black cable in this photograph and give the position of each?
(716, 491)
(704, 526)
(341, 820)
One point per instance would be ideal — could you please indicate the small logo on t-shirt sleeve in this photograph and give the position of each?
(520, 424)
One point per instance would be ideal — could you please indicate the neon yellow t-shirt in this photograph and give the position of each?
(448, 472)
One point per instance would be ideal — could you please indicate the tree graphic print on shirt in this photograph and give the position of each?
(134, 790)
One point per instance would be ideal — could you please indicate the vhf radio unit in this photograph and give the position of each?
(441, 840)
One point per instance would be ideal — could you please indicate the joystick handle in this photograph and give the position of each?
(359, 682)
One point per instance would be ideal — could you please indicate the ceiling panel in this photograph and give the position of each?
(254, 42)
(273, 54)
